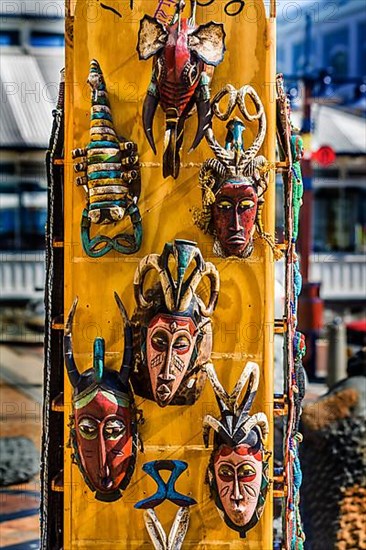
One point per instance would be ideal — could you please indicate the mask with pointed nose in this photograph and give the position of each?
(238, 467)
(233, 216)
(238, 476)
(234, 182)
(172, 325)
(103, 425)
(171, 342)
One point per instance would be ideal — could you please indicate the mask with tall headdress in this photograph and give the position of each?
(238, 469)
(104, 421)
(172, 325)
(233, 183)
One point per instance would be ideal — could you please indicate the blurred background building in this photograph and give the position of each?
(32, 55)
(323, 44)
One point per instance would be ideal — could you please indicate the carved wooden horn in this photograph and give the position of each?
(211, 167)
(72, 370)
(257, 420)
(260, 115)
(251, 373)
(202, 269)
(150, 262)
(219, 390)
(127, 354)
(232, 93)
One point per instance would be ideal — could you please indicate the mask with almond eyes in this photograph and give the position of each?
(238, 469)
(104, 424)
(233, 183)
(233, 216)
(172, 325)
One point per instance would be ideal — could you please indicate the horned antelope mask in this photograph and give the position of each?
(234, 182)
(238, 469)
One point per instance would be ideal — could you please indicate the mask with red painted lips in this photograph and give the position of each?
(104, 421)
(104, 438)
(238, 469)
(238, 474)
(172, 326)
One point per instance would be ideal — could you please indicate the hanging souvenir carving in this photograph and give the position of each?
(109, 170)
(172, 326)
(166, 491)
(233, 184)
(238, 469)
(184, 57)
(104, 421)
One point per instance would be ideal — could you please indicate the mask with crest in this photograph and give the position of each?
(233, 183)
(172, 325)
(238, 468)
(104, 422)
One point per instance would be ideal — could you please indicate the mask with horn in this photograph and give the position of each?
(184, 58)
(233, 183)
(172, 326)
(104, 422)
(238, 469)
(109, 170)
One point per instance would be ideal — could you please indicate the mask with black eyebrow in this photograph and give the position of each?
(238, 470)
(104, 422)
(234, 182)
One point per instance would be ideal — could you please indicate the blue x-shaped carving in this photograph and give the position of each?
(165, 490)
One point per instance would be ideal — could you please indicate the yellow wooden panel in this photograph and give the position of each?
(243, 320)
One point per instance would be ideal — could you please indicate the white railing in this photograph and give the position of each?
(342, 276)
(22, 275)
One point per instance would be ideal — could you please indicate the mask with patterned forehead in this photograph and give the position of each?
(234, 182)
(104, 423)
(172, 326)
(238, 470)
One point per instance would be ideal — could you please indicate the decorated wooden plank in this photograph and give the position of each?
(239, 319)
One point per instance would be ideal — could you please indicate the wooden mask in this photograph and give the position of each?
(184, 58)
(234, 182)
(172, 326)
(104, 424)
(109, 170)
(238, 469)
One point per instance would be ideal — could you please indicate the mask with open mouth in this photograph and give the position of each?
(104, 422)
(172, 326)
(238, 468)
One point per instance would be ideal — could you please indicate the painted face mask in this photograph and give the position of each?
(238, 469)
(172, 327)
(104, 423)
(234, 182)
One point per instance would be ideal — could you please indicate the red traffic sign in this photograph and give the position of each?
(324, 156)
